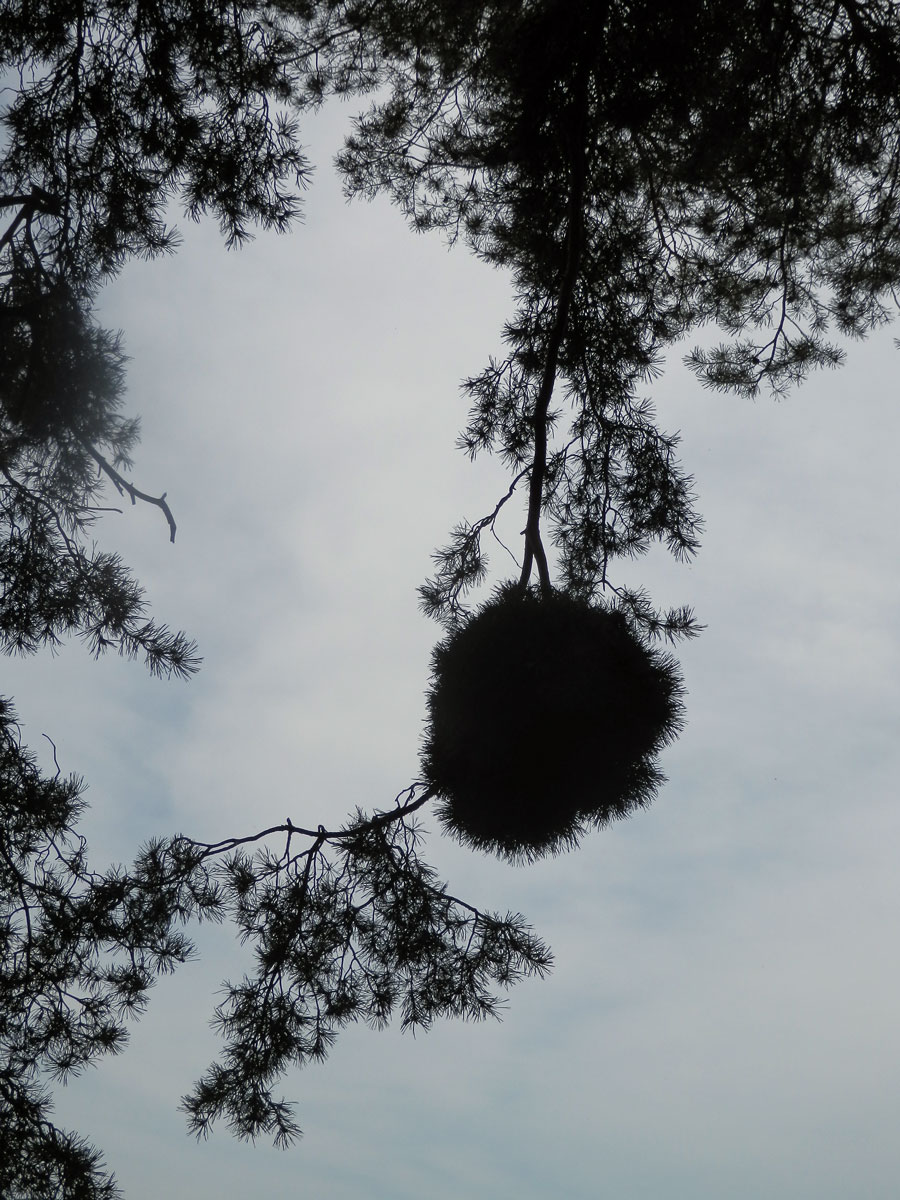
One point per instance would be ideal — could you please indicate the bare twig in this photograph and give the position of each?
(123, 487)
(55, 759)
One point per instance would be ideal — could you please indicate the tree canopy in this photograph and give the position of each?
(642, 174)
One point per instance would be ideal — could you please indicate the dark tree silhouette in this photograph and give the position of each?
(640, 171)
(538, 670)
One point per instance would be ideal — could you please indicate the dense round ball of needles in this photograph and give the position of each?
(546, 714)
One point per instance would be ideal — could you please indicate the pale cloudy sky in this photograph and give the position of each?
(721, 1020)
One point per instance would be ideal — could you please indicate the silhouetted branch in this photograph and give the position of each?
(322, 835)
(349, 936)
(126, 488)
(38, 200)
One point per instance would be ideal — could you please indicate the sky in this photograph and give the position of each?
(721, 1017)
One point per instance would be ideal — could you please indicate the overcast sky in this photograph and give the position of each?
(722, 1016)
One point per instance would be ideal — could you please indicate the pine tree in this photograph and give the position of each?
(641, 172)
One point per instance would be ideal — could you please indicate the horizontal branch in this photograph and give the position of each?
(321, 834)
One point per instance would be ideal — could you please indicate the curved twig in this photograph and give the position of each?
(123, 487)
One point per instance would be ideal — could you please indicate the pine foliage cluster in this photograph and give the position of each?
(546, 716)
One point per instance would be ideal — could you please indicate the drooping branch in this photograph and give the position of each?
(462, 564)
(349, 933)
(123, 487)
